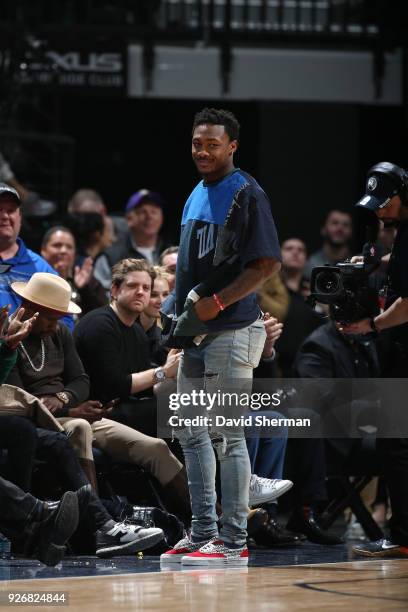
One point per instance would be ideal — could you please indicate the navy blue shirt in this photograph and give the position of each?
(227, 220)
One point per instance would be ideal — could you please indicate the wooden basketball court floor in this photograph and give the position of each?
(352, 585)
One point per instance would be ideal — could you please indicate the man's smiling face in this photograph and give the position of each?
(10, 218)
(212, 151)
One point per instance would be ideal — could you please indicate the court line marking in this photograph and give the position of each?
(312, 586)
(215, 569)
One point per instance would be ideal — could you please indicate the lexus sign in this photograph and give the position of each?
(101, 71)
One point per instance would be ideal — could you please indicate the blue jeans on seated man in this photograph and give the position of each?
(266, 446)
(222, 362)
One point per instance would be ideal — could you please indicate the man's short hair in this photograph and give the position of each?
(125, 266)
(218, 116)
(169, 251)
(82, 195)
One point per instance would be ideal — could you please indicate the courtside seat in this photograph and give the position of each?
(358, 469)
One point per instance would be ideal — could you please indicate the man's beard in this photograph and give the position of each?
(336, 243)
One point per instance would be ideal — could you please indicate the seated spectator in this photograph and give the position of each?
(88, 200)
(301, 319)
(18, 262)
(274, 298)
(336, 233)
(328, 353)
(17, 434)
(115, 353)
(91, 234)
(144, 216)
(168, 261)
(63, 386)
(149, 318)
(122, 369)
(111, 537)
(59, 250)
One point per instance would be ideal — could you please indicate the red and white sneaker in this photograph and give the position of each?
(184, 547)
(216, 553)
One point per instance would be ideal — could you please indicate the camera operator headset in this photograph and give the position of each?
(387, 196)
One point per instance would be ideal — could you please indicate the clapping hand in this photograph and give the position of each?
(273, 331)
(83, 274)
(17, 330)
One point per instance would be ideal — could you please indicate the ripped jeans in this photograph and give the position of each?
(222, 361)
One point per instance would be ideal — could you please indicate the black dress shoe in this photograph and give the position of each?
(309, 526)
(256, 519)
(51, 534)
(84, 495)
(273, 535)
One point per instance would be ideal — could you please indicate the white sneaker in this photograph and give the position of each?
(262, 490)
(125, 539)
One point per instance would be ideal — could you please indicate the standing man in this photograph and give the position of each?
(387, 196)
(226, 220)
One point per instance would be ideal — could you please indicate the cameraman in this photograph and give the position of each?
(387, 196)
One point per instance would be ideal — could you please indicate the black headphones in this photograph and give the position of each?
(398, 175)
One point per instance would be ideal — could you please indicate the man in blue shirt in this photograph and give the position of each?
(228, 240)
(17, 263)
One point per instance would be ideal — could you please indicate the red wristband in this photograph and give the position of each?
(217, 300)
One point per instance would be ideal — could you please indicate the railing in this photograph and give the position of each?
(261, 20)
(351, 17)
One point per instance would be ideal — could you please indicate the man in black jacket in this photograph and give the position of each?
(328, 354)
(387, 196)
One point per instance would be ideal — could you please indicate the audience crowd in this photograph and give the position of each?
(81, 347)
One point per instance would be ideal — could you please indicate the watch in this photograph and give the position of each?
(159, 375)
(63, 397)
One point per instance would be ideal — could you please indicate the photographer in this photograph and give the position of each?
(387, 196)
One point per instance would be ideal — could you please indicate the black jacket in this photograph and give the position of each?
(343, 402)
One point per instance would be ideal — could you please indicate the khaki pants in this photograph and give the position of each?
(123, 444)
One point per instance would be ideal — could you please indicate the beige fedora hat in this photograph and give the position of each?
(47, 291)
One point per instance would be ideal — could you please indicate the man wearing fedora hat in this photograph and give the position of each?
(17, 262)
(49, 367)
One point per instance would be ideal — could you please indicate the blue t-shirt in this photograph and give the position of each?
(238, 211)
(23, 265)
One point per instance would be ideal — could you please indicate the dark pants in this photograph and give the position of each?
(307, 468)
(18, 436)
(140, 414)
(394, 452)
(55, 448)
(306, 463)
(17, 509)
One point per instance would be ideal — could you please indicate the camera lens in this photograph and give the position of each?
(327, 283)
